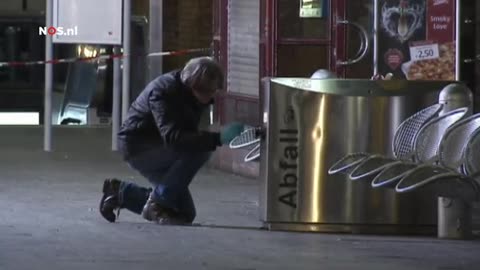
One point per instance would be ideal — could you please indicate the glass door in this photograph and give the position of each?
(354, 38)
(298, 37)
(307, 35)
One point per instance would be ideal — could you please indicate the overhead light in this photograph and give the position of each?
(19, 118)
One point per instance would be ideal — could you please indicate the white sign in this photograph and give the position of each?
(311, 8)
(94, 21)
(424, 52)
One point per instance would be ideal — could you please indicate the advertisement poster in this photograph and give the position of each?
(416, 39)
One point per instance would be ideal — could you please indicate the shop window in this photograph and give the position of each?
(291, 25)
(301, 60)
(243, 47)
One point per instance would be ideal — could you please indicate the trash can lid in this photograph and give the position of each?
(455, 91)
(323, 74)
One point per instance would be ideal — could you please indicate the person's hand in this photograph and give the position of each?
(230, 131)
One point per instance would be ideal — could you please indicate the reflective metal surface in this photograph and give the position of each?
(454, 219)
(311, 124)
(456, 96)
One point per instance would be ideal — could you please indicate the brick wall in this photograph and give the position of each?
(232, 160)
(187, 24)
(7, 6)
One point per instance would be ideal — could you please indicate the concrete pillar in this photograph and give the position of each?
(155, 37)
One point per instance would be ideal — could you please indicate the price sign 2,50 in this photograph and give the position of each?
(424, 52)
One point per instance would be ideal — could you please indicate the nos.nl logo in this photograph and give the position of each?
(61, 31)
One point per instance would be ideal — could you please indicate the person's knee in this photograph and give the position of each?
(196, 157)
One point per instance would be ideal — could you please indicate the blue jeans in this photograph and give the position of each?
(170, 173)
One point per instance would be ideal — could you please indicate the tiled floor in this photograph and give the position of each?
(49, 220)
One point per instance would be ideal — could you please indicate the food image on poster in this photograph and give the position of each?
(441, 68)
(416, 39)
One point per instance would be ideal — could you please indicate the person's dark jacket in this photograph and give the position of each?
(166, 114)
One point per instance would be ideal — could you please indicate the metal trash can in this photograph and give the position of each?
(455, 215)
(309, 124)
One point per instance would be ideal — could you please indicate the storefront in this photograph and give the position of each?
(283, 38)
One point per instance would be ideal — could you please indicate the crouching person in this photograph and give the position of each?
(160, 139)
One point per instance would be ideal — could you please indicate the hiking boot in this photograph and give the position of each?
(153, 211)
(110, 200)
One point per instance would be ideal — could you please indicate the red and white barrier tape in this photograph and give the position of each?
(100, 57)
